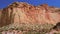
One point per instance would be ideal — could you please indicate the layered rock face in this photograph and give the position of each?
(20, 12)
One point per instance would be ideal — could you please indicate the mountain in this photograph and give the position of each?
(21, 12)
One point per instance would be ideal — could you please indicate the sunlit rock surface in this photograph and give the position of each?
(21, 12)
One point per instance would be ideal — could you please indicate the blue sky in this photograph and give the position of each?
(5, 3)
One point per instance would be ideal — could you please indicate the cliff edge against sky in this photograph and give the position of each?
(21, 12)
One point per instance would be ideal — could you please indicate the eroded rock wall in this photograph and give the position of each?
(24, 13)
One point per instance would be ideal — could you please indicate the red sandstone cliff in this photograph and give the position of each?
(20, 12)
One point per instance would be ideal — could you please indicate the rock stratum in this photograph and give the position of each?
(21, 12)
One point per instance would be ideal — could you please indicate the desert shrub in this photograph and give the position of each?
(29, 28)
(0, 33)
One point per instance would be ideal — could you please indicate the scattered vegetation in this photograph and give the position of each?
(29, 28)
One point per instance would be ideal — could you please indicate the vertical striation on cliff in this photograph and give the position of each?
(21, 12)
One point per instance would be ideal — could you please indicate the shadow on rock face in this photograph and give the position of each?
(57, 26)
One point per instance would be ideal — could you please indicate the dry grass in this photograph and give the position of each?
(29, 28)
